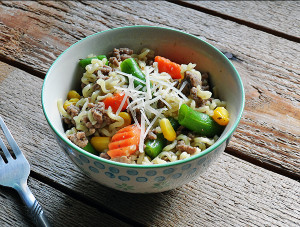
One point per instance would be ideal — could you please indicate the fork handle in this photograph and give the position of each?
(32, 204)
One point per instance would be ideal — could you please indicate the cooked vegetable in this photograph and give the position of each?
(100, 143)
(89, 148)
(84, 62)
(174, 123)
(154, 147)
(167, 129)
(198, 122)
(127, 118)
(130, 66)
(221, 116)
(70, 102)
(124, 142)
(73, 94)
(165, 65)
(115, 101)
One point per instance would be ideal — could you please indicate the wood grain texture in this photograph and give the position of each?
(232, 192)
(282, 16)
(60, 209)
(33, 34)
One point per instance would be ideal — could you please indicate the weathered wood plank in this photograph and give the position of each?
(61, 209)
(282, 16)
(232, 192)
(269, 65)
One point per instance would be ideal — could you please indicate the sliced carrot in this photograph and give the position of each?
(122, 143)
(122, 136)
(127, 129)
(124, 151)
(115, 101)
(165, 65)
(125, 142)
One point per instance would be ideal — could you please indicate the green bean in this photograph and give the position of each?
(84, 62)
(174, 123)
(154, 147)
(89, 148)
(198, 122)
(130, 66)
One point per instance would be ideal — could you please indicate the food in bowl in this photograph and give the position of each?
(139, 108)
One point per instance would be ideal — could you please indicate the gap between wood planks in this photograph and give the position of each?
(236, 20)
(84, 199)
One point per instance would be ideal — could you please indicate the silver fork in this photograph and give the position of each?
(14, 174)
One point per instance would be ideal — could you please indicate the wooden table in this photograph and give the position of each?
(256, 180)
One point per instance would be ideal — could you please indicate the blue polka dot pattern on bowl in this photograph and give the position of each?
(78, 161)
(151, 173)
(168, 171)
(93, 169)
(177, 175)
(84, 159)
(160, 178)
(110, 175)
(141, 179)
(185, 167)
(202, 160)
(99, 165)
(132, 172)
(192, 171)
(124, 178)
(114, 170)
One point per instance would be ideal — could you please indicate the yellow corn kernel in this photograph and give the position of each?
(70, 102)
(221, 116)
(100, 143)
(127, 118)
(73, 94)
(167, 129)
(67, 104)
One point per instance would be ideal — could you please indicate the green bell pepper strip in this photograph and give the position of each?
(198, 122)
(89, 148)
(84, 62)
(130, 66)
(154, 147)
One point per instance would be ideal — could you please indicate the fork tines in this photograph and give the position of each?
(11, 142)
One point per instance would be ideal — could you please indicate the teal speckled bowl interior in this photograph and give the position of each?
(65, 74)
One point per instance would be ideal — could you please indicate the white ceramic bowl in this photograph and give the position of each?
(65, 75)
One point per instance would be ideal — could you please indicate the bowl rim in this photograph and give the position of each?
(139, 166)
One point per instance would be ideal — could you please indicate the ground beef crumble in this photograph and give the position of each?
(190, 89)
(182, 147)
(99, 114)
(72, 111)
(79, 139)
(120, 55)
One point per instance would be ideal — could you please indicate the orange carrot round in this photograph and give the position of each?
(165, 65)
(125, 142)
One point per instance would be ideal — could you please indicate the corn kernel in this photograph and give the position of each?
(70, 102)
(100, 143)
(73, 94)
(167, 129)
(221, 116)
(67, 104)
(127, 118)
